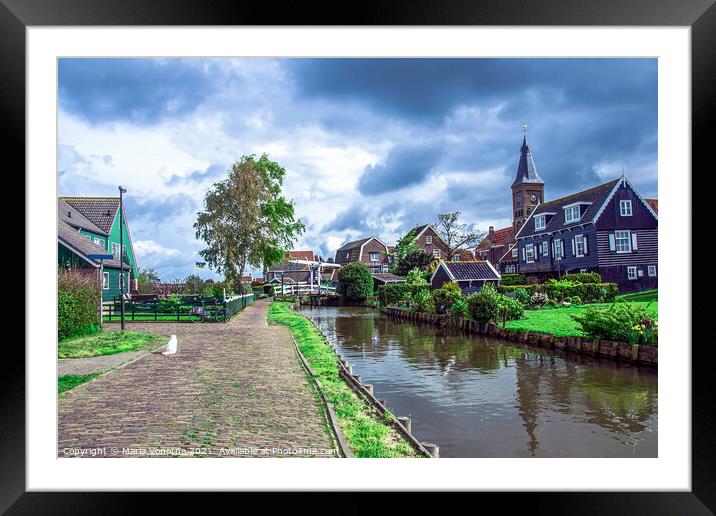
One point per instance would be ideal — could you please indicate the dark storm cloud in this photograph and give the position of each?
(141, 91)
(213, 171)
(405, 165)
(160, 211)
(427, 89)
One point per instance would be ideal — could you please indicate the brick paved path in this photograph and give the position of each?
(233, 385)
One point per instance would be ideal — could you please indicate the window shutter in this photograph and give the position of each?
(574, 247)
(585, 240)
(524, 255)
(634, 243)
(612, 243)
(561, 248)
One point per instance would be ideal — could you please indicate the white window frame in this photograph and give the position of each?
(651, 271)
(540, 221)
(99, 241)
(569, 212)
(627, 238)
(437, 253)
(529, 250)
(558, 248)
(514, 252)
(115, 249)
(105, 281)
(428, 239)
(545, 248)
(348, 255)
(625, 212)
(579, 246)
(630, 269)
(374, 256)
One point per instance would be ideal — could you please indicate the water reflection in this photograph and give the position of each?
(480, 397)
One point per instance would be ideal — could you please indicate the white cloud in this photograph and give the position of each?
(150, 248)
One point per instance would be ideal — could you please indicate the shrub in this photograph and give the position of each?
(623, 322)
(483, 305)
(445, 296)
(459, 308)
(522, 296)
(539, 299)
(397, 293)
(355, 282)
(416, 277)
(423, 301)
(514, 308)
(78, 300)
(575, 300)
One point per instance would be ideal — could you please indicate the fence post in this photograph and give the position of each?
(133, 309)
(178, 308)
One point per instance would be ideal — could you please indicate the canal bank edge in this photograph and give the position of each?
(355, 384)
(617, 351)
(343, 446)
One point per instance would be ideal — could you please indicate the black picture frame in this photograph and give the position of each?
(700, 15)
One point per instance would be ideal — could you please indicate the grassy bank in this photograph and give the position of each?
(367, 433)
(558, 321)
(70, 381)
(106, 343)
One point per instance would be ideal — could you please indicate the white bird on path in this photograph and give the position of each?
(171, 346)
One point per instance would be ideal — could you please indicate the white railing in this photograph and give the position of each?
(291, 289)
(234, 298)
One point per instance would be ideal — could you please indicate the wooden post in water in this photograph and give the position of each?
(434, 449)
(407, 423)
(369, 388)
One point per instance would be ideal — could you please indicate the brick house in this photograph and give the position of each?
(494, 247)
(370, 251)
(427, 239)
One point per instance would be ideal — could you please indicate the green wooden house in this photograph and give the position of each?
(91, 225)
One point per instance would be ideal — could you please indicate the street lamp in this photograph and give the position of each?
(122, 281)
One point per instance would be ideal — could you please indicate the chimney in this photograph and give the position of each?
(492, 230)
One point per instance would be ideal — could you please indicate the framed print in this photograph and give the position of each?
(419, 247)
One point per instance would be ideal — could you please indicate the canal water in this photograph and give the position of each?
(480, 397)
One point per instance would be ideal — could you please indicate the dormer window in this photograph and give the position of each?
(540, 221)
(572, 214)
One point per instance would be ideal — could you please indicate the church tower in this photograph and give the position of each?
(527, 188)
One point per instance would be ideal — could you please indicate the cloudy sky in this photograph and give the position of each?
(371, 146)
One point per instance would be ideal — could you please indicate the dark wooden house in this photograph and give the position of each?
(610, 229)
(471, 276)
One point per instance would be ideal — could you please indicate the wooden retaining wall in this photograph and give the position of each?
(620, 351)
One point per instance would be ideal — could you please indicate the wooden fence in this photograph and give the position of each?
(217, 309)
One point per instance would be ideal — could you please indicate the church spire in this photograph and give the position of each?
(526, 169)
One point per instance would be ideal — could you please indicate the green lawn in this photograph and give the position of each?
(558, 321)
(368, 434)
(646, 296)
(106, 343)
(70, 381)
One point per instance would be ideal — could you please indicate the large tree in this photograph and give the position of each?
(145, 279)
(404, 245)
(246, 221)
(457, 235)
(415, 259)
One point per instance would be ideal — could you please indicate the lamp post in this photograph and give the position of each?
(122, 281)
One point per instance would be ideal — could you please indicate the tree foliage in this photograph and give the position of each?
(147, 277)
(415, 259)
(457, 235)
(246, 221)
(405, 244)
(355, 282)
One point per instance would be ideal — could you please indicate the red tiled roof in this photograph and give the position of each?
(302, 255)
(497, 238)
(654, 204)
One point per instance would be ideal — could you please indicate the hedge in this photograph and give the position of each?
(78, 299)
(392, 293)
(513, 279)
(583, 277)
(588, 292)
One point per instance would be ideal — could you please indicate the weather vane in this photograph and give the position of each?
(524, 127)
